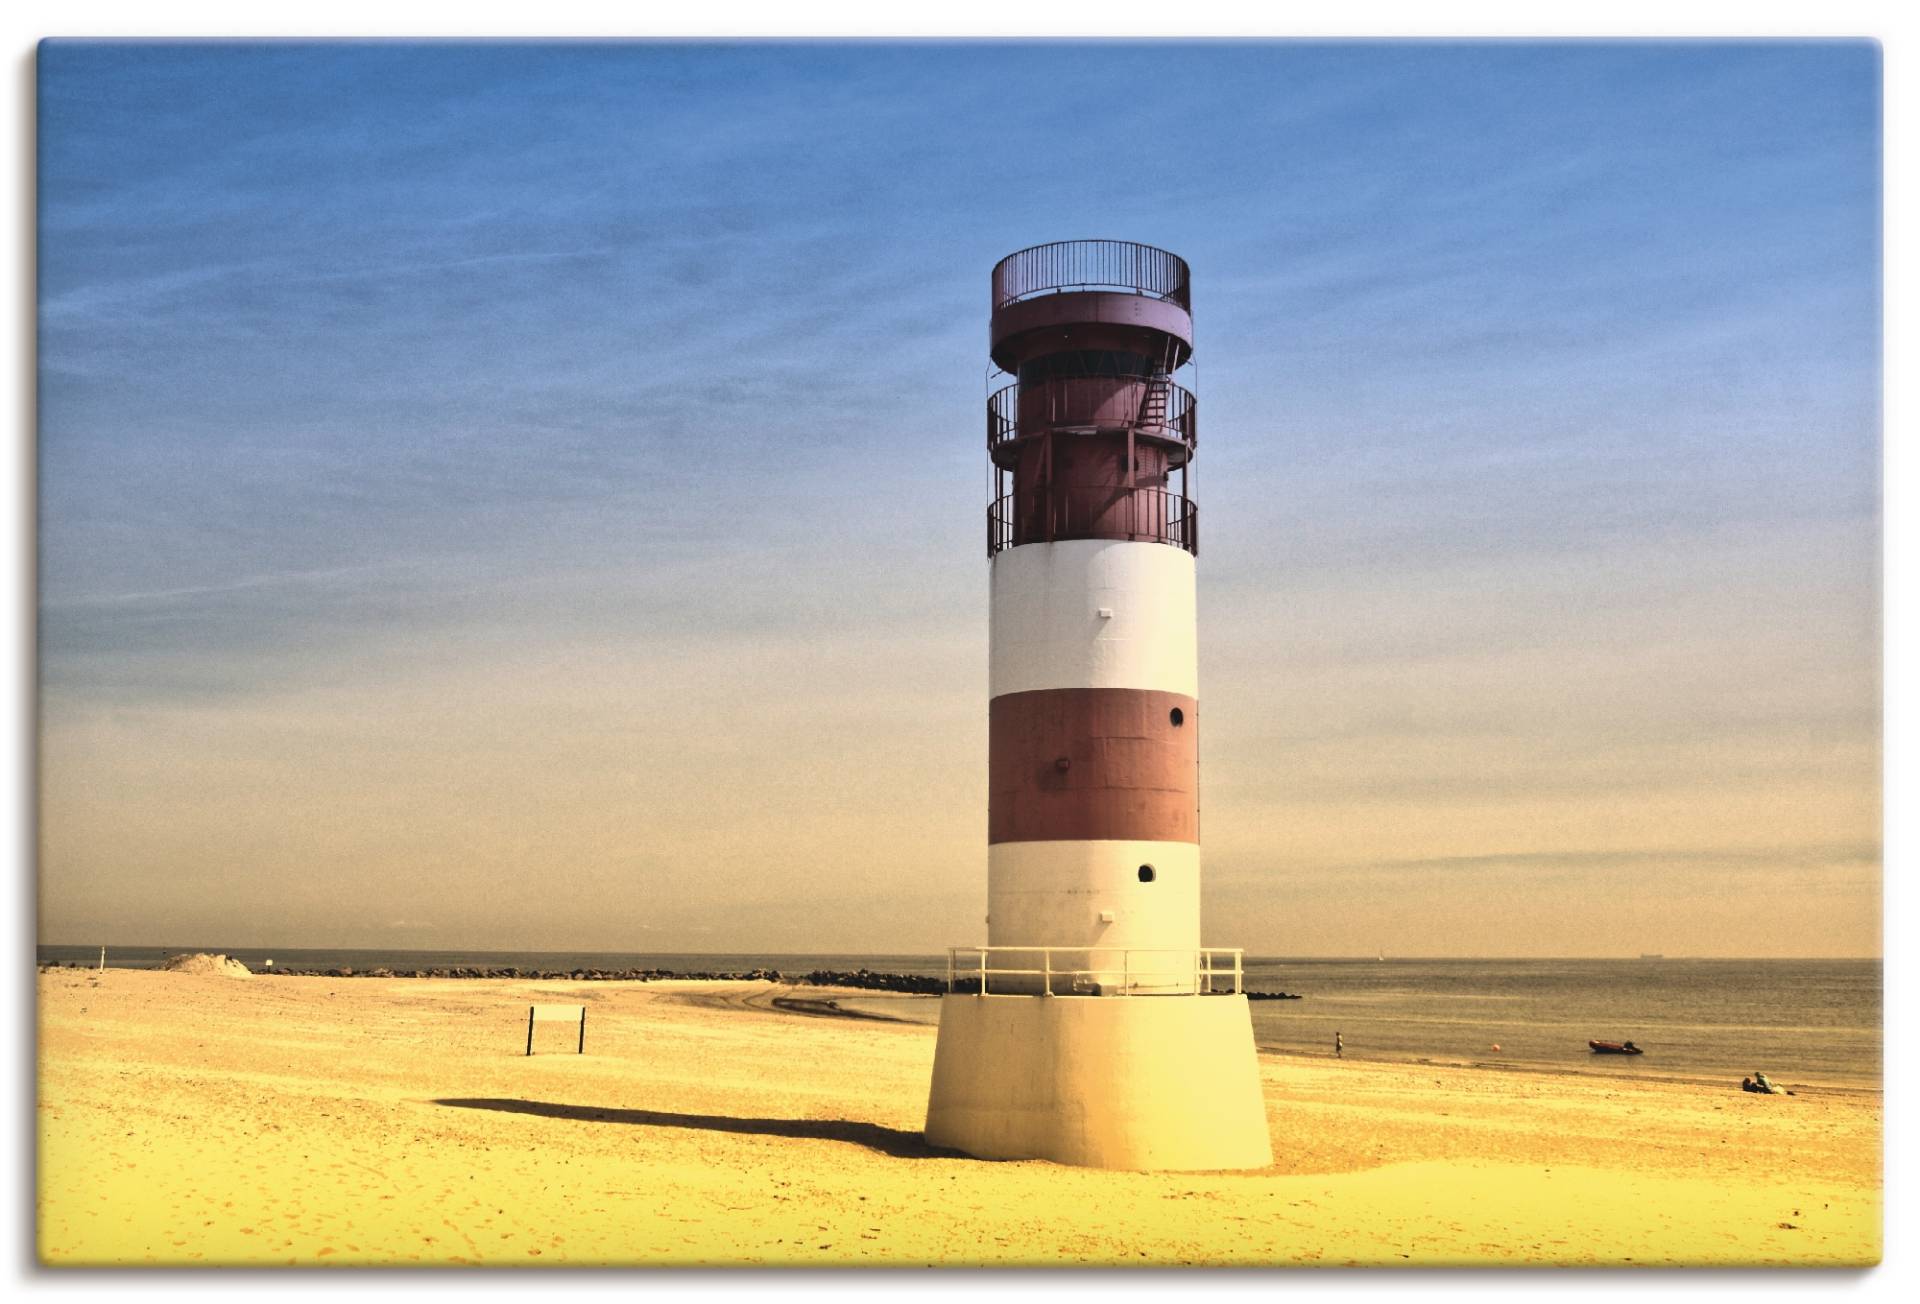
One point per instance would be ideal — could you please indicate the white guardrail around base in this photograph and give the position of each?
(1093, 970)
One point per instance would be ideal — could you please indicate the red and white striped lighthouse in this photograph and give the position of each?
(1094, 720)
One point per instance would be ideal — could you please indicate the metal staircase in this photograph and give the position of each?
(1153, 403)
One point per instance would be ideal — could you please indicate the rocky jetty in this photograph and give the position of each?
(868, 980)
(909, 984)
(513, 971)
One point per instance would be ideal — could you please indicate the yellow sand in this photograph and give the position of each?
(194, 1119)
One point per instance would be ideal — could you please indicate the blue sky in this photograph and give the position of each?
(497, 464)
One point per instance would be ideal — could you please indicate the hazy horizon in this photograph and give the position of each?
(534, 494)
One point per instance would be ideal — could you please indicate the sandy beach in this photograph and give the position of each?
(196, 1119)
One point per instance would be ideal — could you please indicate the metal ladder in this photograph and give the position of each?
(1153, 403)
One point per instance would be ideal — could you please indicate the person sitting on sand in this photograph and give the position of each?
(1760, 1083)
(1746, 1084)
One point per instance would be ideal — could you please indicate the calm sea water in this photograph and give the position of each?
(1812, 1022)
(1798, 1021)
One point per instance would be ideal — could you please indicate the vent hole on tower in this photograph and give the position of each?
(1146, 873)
(1178, 717)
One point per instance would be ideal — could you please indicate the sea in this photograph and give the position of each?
(1802, 1022)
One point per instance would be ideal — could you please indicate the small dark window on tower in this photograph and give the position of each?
(1178, 717)
(1146, 873)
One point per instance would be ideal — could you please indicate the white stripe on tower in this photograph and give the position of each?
(1045, 629)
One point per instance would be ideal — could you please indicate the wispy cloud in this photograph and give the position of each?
(271, 580)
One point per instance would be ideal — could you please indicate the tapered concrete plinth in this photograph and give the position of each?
(1132, 1082)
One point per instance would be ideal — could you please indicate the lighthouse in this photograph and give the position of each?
(1093, 1027)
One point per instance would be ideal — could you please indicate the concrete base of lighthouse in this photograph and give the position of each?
(1127, 1082)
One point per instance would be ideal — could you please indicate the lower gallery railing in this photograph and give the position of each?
(1094, 970)
(1146, 514)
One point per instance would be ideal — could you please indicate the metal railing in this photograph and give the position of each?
(1143, 515)
(1095, 970)
(1154, 406)
(1091, 265)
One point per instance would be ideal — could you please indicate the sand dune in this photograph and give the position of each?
(200, 962)
(188, 1119)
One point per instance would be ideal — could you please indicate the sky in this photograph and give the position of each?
(532, 496)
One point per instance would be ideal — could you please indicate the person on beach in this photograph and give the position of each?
(1339, 1047)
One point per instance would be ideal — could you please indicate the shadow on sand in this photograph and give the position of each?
(887, 1140)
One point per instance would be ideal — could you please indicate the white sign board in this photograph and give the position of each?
(557, 1014)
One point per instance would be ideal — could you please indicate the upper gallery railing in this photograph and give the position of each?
(1091, 265)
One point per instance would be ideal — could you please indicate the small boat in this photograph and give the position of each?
(1615, 1048)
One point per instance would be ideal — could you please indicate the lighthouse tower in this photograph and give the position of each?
(1093, 1027)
